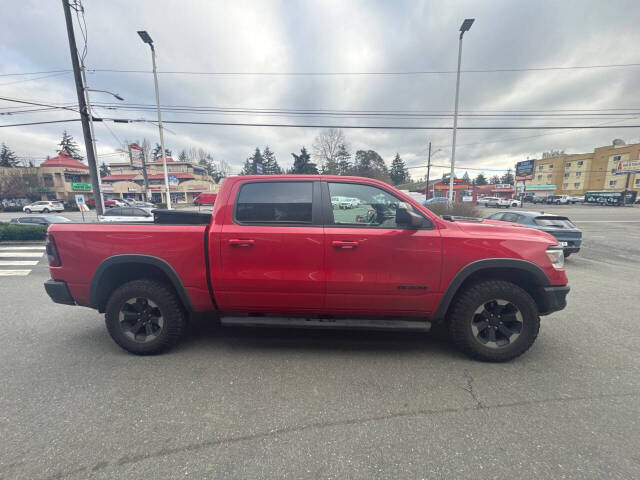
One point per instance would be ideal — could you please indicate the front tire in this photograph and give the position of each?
(145, 317)
(27, 210)
(46, 210)
(493, 321)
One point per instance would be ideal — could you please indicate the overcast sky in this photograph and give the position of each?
(331, 36)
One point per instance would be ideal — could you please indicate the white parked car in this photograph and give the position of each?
(44, 207)
(127, 214)
(499, 202)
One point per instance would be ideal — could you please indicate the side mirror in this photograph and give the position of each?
(408, 219)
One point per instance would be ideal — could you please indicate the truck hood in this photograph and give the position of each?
(503, 229)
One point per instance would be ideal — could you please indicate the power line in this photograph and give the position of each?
(32, 79)
(39, 104)
(40, 123)
(385, 127)
(410, 72)
(34, 73)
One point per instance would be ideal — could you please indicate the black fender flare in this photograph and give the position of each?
(465, 272)
(163, 265)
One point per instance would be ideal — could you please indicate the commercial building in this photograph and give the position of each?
(186, 181)
(602, 169)
(58, 178)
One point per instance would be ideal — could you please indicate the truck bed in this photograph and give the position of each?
(83, 247)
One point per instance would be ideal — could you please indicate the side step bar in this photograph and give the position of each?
(339, 323)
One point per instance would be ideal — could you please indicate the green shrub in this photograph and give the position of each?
(10, 231)
(460, 209)
(12, 209)
(161, 205)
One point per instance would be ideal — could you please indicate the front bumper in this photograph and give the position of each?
(59, 292)
(553, 299)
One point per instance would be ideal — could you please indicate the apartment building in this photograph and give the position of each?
(579, 173)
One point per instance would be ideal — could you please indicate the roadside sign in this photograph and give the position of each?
(524, 170)
(79, 199)
(173, 180)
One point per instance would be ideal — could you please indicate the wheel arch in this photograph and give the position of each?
(526, 275)
(119, 269)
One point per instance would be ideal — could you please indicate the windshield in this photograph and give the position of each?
(555, 222)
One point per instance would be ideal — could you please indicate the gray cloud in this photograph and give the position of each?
(333, 36)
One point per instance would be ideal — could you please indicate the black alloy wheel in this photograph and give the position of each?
(496, 323)
(141, 320)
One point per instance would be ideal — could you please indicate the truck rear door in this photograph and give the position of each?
(271, 249)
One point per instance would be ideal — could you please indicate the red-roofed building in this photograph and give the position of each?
(64, 160)
(63, 177)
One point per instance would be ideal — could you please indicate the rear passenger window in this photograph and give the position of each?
(278, 203)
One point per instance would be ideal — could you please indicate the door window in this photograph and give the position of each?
(275, 203)
(359, 205)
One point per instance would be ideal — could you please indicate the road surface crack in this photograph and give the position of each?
(469, 388)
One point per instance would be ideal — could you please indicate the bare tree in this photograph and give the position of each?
(326, 147)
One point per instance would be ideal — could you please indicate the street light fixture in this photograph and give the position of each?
(107, 91)
(466, 25)
(146, 38)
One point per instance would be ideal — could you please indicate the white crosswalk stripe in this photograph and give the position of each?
(12, 256)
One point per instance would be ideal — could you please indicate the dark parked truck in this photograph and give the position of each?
(275, 252)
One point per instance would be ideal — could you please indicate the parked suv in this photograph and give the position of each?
(44, 207)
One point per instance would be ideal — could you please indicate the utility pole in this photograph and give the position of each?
(84, 114)
(428, 171)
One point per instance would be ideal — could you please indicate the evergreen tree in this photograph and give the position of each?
(157, 152)
(270, 164)
(69, 145)
(7, 157)
(495, 179)
(104, 170)
(480, 180)
(302, 164)
(465, 179)
(183, 156)
(369, 163)
(246, 170)
(343, 158)
(398, 171)
(207, 163)
(507, 178)
(251, 164)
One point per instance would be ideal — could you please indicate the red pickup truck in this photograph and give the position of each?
(276, 251)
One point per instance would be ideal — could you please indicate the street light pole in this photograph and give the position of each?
(466, 25)
(147, 39)
(428, 171)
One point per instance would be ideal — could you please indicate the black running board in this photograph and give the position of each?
(338, 323)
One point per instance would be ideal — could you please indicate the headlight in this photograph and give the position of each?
(556, 256)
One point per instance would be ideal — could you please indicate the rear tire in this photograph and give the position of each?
(45, 210)
(145, 317)
(493, 321)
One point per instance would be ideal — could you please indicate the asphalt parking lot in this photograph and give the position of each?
(235, 403)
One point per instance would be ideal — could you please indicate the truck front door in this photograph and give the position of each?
(373, 266)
